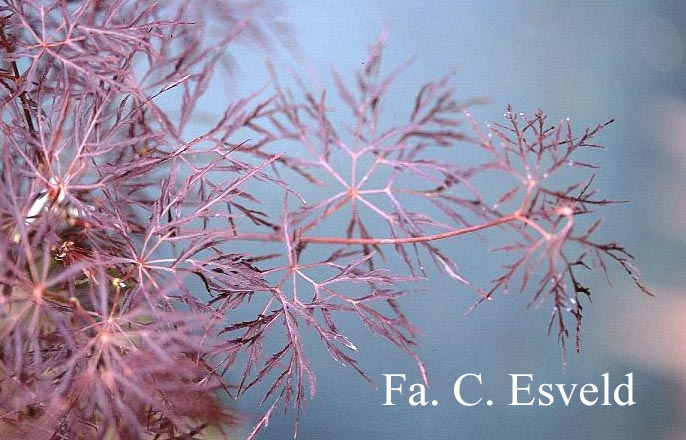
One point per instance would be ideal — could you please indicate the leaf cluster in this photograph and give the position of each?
(143, 272)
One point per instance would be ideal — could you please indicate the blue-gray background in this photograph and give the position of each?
(588, 61)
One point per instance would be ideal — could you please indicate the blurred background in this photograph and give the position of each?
(589, 62)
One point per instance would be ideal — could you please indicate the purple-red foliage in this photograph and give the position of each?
(126, 246)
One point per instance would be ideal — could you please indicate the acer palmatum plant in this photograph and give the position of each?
(127, 259)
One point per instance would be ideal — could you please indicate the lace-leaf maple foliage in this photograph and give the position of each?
(132, 293)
